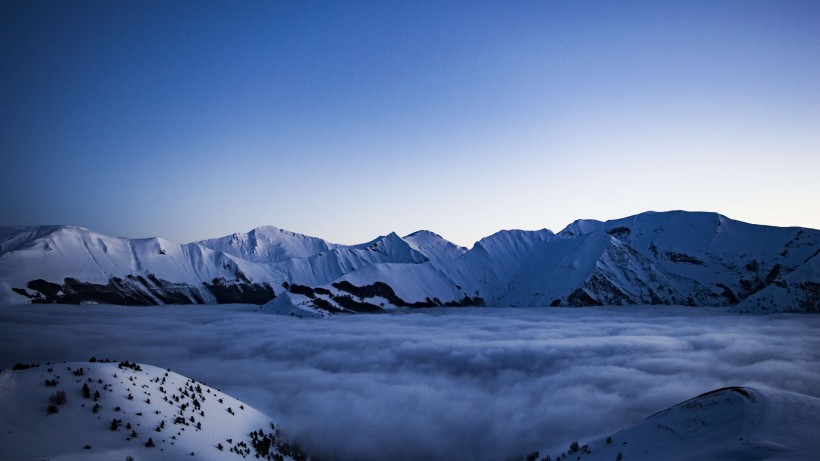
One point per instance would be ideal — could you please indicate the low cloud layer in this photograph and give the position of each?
(486, 384)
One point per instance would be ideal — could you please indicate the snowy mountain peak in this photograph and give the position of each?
(268, 244)
(434, 246)
(394, 248)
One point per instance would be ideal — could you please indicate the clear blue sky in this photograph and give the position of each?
(347, 120)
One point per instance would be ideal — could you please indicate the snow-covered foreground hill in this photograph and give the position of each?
(672, 258)
(731, 424)
(108, 411)
(437, 384)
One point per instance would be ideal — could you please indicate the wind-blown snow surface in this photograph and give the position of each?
(439, 384)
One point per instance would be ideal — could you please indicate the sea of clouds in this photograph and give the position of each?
(454, 384)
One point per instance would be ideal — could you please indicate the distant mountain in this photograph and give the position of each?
(123, 410)
(677, 257)
(734, 423)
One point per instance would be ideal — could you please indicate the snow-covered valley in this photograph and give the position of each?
(467, 383)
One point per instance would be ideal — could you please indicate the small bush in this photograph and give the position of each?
(58, 398)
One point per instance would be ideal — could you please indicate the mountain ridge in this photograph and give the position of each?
(675, 257)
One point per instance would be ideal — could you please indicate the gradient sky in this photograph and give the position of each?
(347, 120)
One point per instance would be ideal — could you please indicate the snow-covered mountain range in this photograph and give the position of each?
(677, 257)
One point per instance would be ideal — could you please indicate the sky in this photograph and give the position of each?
(347, 120)
(442, 384)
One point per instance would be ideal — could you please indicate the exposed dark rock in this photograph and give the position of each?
(619, 232)
(302, 290)
(252, 293)
(466, 301)
(683, 258)
(728, 294)
(384, 290)
(773, 274)
(811, 303)
(324, 304)
(136, 290)
(579, 298)
(349, 303)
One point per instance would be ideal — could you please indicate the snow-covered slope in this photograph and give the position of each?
(119, 409)
(698, 259)
(735, 423)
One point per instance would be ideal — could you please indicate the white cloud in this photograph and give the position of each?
(438, 384)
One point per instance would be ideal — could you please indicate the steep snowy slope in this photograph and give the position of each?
(736, 423)
(598, 269)
(115, 410)
(268, 244)
(489, 268)
(729, 257)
